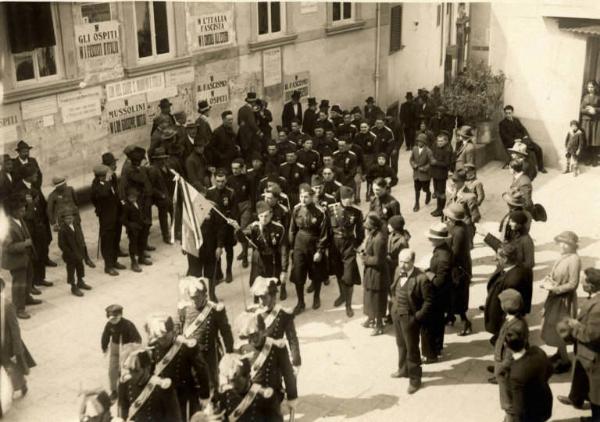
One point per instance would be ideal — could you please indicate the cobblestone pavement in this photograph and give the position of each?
(345, 372)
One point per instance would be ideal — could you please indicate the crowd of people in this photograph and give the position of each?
(291, 202)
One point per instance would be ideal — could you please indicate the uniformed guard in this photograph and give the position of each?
(322, 198)
(276, 184)
(269, 359)
(385, 137)
(348, 234)
(284, 145)
(269, 243)
(144, 397)
(295, 174)
(296, 135)
(330, 185)
(279, 321)
(272, 158)
(308, 157)
(383, 204)
(346, 163)
(204, 321)
(241, 189)
(346, 129)
(281, 213)
(309, 238)
(254, 175)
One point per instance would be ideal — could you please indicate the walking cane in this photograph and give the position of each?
(98, 248)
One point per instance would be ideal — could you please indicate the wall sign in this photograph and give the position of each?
(39, 107)
(126, 114)
(97, 40)
(214, 89)
(214, 30)
(139, 85)
(10, 117)
(271, 66)
(80, 105)
(297, 82)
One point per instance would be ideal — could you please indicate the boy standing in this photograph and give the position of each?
(420, 161)
(137, 229)
(72, 246)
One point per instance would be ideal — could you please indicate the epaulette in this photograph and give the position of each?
(329, 195)
(212, 187)
(218, 306)
(264, 178)
(336, 152)
(337, 183)
(282, 164)
(276, 223)
(352, 152)
(353, 125)
(300, 165)
(387, 128)
(286, 209)
(248, 171)
(372, 134)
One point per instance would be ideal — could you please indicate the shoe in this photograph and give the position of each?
(433, 195)
(122, 254)
(427, 197)
(50, 263)
(377, 332)
(89, 263)
(111, 271)
(35, 291)
(413, 387)
(24, 391)
(326, 281)
(562, 367)
(398, 374)
(450, 320)
(316, 303)
(44, 283)
(81, 284)
(490, 369)
(388, 320)
(416, 208)
(245, 263)
(282, 292)
(119, 266)
(492, 380)
(481, 308)
(311, 288)
(229, 277)
(299, 308)
(167, 241)
(31, 301)
(467, 329)
(135, 267)
(23, 315)
(76, 292)
(437, 213)
(429, 361)
(145, 261)
(241, 256)
(369, 323)
(339, 301)
(567, 401)
(150, 248)
(543, 171)
(349, 312)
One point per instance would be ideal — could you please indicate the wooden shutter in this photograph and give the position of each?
(29, 25)
(395, 28)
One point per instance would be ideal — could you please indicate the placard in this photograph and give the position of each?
(39, 107)
(175, 77)
(214, 30)
(215, 90)
(97, 40)
(271, 66)
(80, 105)
(297, 82)
(307, 7)
(134, 86)
(126, 114)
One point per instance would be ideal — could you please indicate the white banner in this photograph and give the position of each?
(297, 82)
(98, 39)
(80, 104)
(139, 85)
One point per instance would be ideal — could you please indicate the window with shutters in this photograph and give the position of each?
(31, 29)
(395, 29)
(154, 29)
(342, 11)
(271, 18)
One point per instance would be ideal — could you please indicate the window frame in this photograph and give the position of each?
(91, 3)
(400, 45)
(171, 32)
(57, 59)
(282, 21)
(342, 20)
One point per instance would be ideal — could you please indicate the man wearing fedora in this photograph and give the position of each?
(203, 131)
(109, 160)
(460, 195)
(521, 183)
(160, 177)
(7, 179)
(440, 275)
(165, 115)
(519, 153)
(23, 158)
(465, 150)
(371, 111)
(408, 119)
(310, 117)
(249, 133)
(292, 110)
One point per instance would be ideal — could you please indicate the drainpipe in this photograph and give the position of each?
(377, 50)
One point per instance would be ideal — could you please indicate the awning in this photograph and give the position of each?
(590, 27)
(593, 30)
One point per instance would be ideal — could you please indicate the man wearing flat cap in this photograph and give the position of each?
(165, 115)
(348, 234)
(23, 158)
(292, 110)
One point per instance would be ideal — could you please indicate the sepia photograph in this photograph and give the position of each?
(300, 211)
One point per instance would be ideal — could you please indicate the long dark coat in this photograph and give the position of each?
(461, 267)
(376, 277)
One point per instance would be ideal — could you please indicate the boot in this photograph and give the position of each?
(417, 200)
(438, 210)
(81, 284)
(467, 329)
(134, 265)
(228, 277)
(282, 292)
(348, 294)
(567, 169)
(311, 287)
(75, 291)
(427, 197)
(300, 294)
(341, 299)
(144, 261)
(317, 297)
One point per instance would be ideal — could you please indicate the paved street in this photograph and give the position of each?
(345, 372)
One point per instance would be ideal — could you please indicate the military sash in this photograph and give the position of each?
(272, 315)
(241, 408)
(261, 358)
(198, 321)
(143, 397)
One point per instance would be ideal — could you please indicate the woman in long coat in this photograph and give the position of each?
(561, 302)
(590, 120)
(376, 277)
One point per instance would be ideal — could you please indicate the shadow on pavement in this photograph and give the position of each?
(350, 407)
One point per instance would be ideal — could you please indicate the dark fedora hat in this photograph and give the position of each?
(22, 145)
(164, 103)
(108, 159)
(203, 106)
(250, 97)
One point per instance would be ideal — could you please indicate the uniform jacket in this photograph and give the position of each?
(332, 188)
(441, 161)
(511, 130)
(515, 278)
(346, 164)
(70, 242)
(271, 242)
(298, 137)
(161, 405)
(276, 367)
(528, 387)
(106, 203)
(325, 200)
(59, 201)
(261, 409)
(376, 276)
(465, 153)
(385, 139)
(224, 147)
(385, 207)
(420, 294)
(254, 178)
(15, 254)
(523, 184)
(346, 130)
(224, 202)
(346, 223)
(309, 225)
(295, 174)
(282, 215)
(421, 162)
(17, 164)
(280, 322)
(241, 187)
(287, 115)
(196, 169)
(369, 144)
(311, 160)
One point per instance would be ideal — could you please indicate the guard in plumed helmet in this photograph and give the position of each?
(279, 321)
(144, 396)
(348, 234)
(204, 321)
(179, 359)
(269, 359)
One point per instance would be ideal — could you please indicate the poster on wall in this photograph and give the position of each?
(39, 107)
(10, 117)
(297, 82)
(126, 114)
(215, 90)
(214, 30)
(98, 50)
(271, 66)
(80, 105)
(139, 85)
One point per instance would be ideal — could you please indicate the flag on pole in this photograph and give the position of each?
(196, 209)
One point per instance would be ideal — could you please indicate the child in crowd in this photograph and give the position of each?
(573, 144)
(72, 245)
(137, 231)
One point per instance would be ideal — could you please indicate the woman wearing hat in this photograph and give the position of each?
(561, 302)
(376, 277)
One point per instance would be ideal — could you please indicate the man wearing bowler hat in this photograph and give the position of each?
(292, 110)
(164, 116)
(371, 111)
(249, 132)
(203, 131)
(408, 119)
(310, 117)
(23, 158)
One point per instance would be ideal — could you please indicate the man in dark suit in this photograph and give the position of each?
(408, 119)
(511, 128)
(164, 116)
(7, 180)
(292, 110)
(203, 131)
(509, 275)
(522, 183)
(23, 149)
(109, 160)
(249, 134)
(411, 304)
(371, 111)
(224, 148)
(17, 253)
(70, 242)
(310, 117)
(585, 332)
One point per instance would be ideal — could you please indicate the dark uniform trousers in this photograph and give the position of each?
(304, 265)
(22, 281)
(432, 332)
(407, 330)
